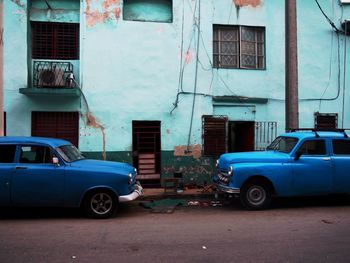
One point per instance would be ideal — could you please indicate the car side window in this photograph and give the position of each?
(7, 153)
(35, 154)
(313, 147)
(341, 147)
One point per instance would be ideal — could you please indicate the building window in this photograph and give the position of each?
(326, 120)
(55, 40)
(214, 135)
(239, 47)
(148, 10)
(62, 125)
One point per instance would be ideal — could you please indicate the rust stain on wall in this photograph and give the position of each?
(109, 9)
(91, 121)
(193, 150)
(253, 3)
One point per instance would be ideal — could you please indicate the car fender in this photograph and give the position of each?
(279, 174)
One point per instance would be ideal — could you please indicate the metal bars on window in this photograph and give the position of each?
(265, 133)
(239, 47)
(55, 40)
(214, 135)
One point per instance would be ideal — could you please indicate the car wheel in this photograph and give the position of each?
(256, 195)
(100, 204)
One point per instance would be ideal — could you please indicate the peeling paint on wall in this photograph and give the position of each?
(91, 121)
(107, 10)
(253, 3)
(18, 2)
(192, 150)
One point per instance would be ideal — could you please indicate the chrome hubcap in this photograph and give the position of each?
(101, 203)
(256, 195)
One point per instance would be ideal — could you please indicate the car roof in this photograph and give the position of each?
(320, 134)
(53, 142)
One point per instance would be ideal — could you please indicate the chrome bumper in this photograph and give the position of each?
(227, 189)
(135, 194)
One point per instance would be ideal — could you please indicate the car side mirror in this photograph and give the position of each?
(55, 161)
(298, 154)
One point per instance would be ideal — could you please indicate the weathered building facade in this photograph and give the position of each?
(168, 85)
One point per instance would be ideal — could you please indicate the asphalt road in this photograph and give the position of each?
(294, 230)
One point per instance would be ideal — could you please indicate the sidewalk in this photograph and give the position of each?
(193, 193)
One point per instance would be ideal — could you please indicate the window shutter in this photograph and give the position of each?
(214, 135)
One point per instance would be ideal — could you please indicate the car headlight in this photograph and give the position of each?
(130, 178)
(230, 170)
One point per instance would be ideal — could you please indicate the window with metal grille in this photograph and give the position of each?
(326, 120)
(214, 135)
(239, 47)
(62, 125)
(55, 40)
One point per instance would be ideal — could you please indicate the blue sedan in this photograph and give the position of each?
(295, 164)
(52, 172)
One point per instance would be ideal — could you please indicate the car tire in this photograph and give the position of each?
(256, 195)
(100, 204)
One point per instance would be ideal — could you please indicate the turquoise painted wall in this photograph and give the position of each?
(129, 70)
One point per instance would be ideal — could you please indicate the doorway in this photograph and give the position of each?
(146, 150)
(240, 136)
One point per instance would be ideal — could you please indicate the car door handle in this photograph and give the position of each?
(326, 159)
(21, 167)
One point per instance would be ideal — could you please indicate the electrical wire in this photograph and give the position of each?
(196, 74)
(328, 19)
(344, 78)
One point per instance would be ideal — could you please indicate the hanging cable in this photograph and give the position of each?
(328, 19)
(344, 78)
(196, 74)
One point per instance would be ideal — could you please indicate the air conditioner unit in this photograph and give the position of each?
(51, 78)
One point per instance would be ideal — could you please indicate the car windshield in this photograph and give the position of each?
(70, 153)
(283, 144)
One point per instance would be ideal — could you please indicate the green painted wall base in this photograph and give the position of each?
(195, 172)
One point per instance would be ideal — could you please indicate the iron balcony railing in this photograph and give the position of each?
(52, 74)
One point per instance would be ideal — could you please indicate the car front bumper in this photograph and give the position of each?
(132, 196)
(227, 189)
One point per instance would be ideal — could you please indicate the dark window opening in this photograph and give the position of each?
(239, 47)
(62, 125)
(341, 147)
(326, 120)
(148, 10)
(35, 154)
(55, 40)
(313, 147)
(7, 153)
(214, 135)
(241, 136)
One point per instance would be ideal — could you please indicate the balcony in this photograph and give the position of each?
(52, 78)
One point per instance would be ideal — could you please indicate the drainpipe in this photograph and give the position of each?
(292, 109)
(1, 68)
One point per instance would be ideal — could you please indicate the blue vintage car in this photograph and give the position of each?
(298, 163)
(52, 172)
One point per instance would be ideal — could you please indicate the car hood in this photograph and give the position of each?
(123, 168)
(250, 157)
